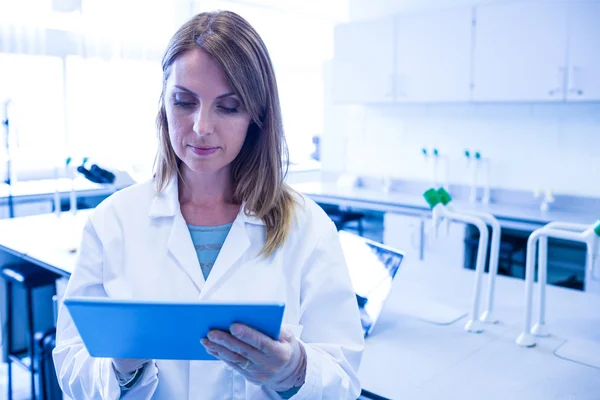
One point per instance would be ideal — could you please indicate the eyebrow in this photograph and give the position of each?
(195, 95)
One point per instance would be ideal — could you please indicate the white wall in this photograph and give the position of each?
(553, 146)
(545, 146)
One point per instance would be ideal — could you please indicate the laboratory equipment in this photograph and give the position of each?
(438, 160)
(487, 177)
(9, 167)
(489, 219)
(439, 211)
(587, 234)
(56, 198)
(473, 164)
(96, 174)
(72, 193)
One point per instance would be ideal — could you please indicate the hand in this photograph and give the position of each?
(279, 365)
(127, 366)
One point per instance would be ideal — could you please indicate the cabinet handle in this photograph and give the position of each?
(573, 81)
(414, 236)
(560, 76)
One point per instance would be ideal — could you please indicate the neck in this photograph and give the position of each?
(205, 188)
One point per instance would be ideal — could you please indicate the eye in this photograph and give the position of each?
(183, 104)
(228, 110)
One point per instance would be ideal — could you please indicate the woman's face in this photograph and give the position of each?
(207, 123)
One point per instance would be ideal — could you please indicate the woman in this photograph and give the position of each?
(218, 223)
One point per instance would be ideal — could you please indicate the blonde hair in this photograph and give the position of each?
(258, 170)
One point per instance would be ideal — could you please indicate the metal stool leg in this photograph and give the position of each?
(31, 341)
(9, 335)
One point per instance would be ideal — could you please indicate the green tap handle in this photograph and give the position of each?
(444, 196)
(467, 154)
(597, 228)
(68, 160)
(432, 198)
(477, 155)
(424, 151)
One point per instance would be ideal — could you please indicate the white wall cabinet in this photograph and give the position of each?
(363, 63)
(583, 75)
(519, 52)
(433, 56)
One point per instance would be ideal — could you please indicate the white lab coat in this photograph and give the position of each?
(136, 245)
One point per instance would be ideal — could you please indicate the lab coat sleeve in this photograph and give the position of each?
(81, 376)
(332, 334)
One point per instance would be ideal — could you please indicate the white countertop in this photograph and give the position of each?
(45, 239)
(395, 201)
(409, 358)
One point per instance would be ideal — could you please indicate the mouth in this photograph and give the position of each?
(204, 150)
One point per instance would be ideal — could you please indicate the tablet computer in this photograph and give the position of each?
(163, 330)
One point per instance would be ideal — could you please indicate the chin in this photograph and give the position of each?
(204, 166)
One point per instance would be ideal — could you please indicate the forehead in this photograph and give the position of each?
(198, 71)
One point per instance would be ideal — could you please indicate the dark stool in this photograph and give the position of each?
(341, 217)
(28, 277)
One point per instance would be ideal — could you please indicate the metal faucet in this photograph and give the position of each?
(6, 124)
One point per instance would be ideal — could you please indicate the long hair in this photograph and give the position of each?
(258, 170)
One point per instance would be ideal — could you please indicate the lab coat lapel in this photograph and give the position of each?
(234, 247)
(182, 249)
(180, 245)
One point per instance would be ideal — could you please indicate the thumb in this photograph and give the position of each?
(286, 335)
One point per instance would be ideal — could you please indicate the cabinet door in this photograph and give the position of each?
(447, 247)
(24, 209)
(520, 52)
(583, 82)
(363, 63)
(433, 56)
(404, 233)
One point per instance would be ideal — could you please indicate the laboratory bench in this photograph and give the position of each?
(407, 225)
(419, 348)
(37, 196)
(524, 217)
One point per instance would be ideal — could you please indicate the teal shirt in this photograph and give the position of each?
(208, 241)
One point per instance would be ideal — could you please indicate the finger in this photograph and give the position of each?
(286, 335)
(223, 353)
(256, 339)
(244, 373)
(237, 346)
(129, 363)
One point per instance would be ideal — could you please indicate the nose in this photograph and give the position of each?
(203, 122)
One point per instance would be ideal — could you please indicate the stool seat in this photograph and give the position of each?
(28, 276)
(344, 217)
(341, 217)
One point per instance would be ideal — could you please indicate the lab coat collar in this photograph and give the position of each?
(181, 247)
(166, 204)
